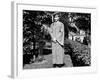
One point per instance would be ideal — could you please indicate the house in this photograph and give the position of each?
(77, 36)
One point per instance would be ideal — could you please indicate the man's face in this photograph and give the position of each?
(56, 18)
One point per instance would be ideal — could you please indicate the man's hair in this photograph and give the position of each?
(57, 15)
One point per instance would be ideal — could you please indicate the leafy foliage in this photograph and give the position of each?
(79, 53)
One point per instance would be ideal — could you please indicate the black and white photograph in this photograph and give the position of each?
(56, 39)
(50, 40)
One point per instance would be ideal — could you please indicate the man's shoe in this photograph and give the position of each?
(54, 65)
(60, 65)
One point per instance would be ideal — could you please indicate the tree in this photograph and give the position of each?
(33, 36)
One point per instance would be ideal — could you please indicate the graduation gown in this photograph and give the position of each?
(57, 32)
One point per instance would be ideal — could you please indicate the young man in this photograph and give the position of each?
(57, 33)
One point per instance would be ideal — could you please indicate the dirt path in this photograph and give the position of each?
(47, 63)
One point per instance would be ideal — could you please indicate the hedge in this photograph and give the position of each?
(80, 53)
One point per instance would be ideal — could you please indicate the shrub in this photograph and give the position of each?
(80, 53)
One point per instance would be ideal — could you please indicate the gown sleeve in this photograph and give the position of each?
(60, 36)
(51, 32)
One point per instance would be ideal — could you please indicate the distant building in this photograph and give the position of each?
(77, 36)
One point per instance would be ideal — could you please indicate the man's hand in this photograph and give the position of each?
(54, 39)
